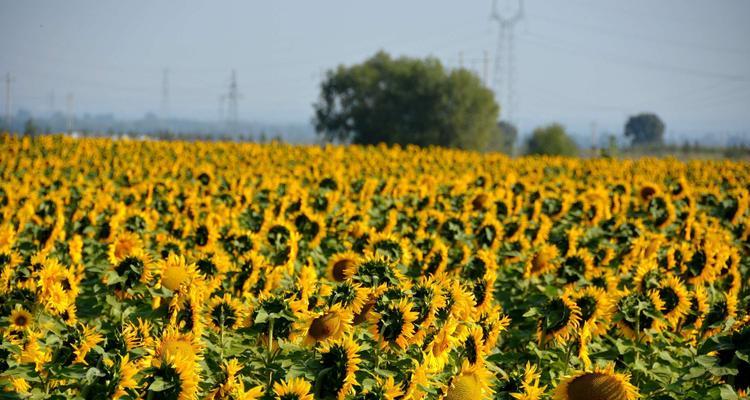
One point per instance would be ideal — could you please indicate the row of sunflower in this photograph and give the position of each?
(175, 270)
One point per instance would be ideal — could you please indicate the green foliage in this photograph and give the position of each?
(645, 129)
(406, 101)
(504, 139)
(551, 140)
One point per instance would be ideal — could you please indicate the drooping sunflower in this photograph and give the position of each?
(393, 249)
(348, 295)
(342, 266)
(293, 389)
(180, 376)
(527, 387)
(601, 384)
(88, 337)
(541, 261)
(493, 322)
(126, 383)
(226, 313)
(439, 346)
(427, 298)
(329, 325)
(339, 363)
(676, 299)
(394, 325)
(639, 314)
(595, 306)
(560, 319)
(384, 389)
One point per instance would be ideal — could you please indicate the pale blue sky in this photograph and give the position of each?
(578, 61)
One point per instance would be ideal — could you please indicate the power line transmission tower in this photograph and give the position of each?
(8, 116)
(69, 108)
(232, 97)
(165, 99)
(505, 68)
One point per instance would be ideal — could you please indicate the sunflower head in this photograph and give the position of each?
(600, 384)
(394, 324)
(292, 389)
(339, 362)
(20, 319)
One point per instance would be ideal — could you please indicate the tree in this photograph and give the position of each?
(30, 128)
(551, 140)
(645, 129)
(504, 139)
(405, 101)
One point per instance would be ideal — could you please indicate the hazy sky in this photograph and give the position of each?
(577, 61)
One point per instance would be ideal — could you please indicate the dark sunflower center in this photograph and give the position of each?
(341, 267)
(596, 386)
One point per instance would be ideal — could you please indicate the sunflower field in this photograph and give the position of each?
(207, 270)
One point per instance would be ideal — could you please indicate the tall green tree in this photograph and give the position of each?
(551, 140)
(645, 129)
(406, 101)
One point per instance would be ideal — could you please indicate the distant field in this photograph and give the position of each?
(185, 270)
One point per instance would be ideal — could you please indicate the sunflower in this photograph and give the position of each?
(339, 364)
(20, 319)
(595, 306)
(179, 376)
(293, 389)
(471, 383)
(489, 234)
(529, 388)
(541, 261)
(124, 244)
(348, 295)
(427, 298)
(393, 249)
(560, 319)
(329, 325)
(493, 322)
(311, 226)
(176, 345)
(438, 348)
(126, 378)
(88, 338)
(225, 313)
(601, 384)
(342, 266)
(639, 313)
(384, 389)
(394, 325)
(136, 267)
(693, 319)
(676, 299)
(176, 273)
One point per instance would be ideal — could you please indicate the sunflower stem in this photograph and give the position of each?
(567, 357)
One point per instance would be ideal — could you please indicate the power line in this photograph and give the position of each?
(619, 60)
(232, 99)
(646, 38)
(69, 108)
(505, 70)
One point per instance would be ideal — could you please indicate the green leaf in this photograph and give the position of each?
(159, 385)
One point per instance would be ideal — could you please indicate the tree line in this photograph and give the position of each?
(416, 101)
